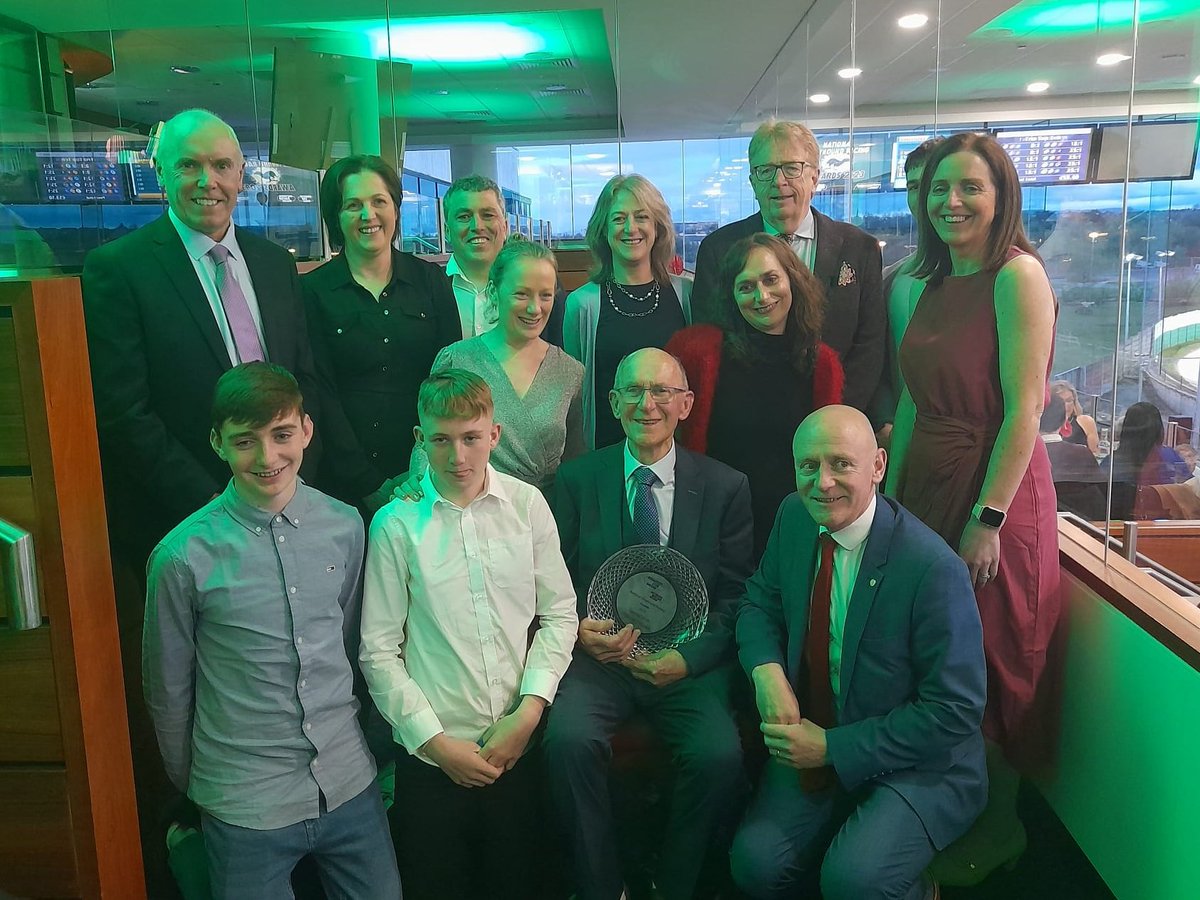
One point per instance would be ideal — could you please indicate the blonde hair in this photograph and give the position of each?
(649, 198)
(454, 394)
(774, 130)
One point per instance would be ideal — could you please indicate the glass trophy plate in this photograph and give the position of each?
(655, 589)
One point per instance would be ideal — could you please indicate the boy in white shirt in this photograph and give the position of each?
(454, 583)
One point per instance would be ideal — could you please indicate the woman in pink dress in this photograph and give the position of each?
(967, 458)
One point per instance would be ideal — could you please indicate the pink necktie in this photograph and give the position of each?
(237, 310)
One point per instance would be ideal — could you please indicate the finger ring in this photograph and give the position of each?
(984, 577)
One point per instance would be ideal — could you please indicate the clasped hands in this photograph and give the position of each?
(477, 764)
(790, 739)
(660, 668)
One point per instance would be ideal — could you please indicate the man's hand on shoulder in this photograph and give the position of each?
(776, 701)
(659, 669)
(606, 648)
(461, 761)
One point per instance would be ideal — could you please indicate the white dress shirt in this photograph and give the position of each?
(804, 239)
(197, 246)
(850, 542)
(663, 491)
(449, 597)
(471, 300)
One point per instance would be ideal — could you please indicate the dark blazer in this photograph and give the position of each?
(711, 525)
(913, 682)
(849, 265)
(156, 355)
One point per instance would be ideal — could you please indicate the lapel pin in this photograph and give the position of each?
(873, 582)
(846, 275)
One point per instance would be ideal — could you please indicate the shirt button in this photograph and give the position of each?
(258, 531)
(303, 682)
(295, 521)
(339, 331)
(383, 368)
(385, 312)
(383, 294)
(308, 726)
(387, 340)
(374, 455)
(299, 641)
(422, 315)
(282, 539)
(292, 589)
(376, 425)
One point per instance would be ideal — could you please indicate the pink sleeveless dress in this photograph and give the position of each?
(950, 359)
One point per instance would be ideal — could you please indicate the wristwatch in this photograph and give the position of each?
(988, 515)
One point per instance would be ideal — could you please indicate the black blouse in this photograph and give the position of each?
(371, 357)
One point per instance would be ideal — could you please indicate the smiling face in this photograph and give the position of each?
(458, 451)
(785, 201)
(838, 465)
(368, 216)
(201, 173)
(962, 204)
(265, 461)
(630, 230)
(650, 425)
(476, 226)
(524, 298)
(763, 293)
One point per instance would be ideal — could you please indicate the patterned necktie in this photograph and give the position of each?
(645, 512)
(237, 310)
(816, 641)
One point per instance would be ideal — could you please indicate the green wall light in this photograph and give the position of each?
(458, 39)
(1082, 16)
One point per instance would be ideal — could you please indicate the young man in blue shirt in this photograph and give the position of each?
(252, 603)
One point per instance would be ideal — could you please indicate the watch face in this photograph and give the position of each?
(991, 517)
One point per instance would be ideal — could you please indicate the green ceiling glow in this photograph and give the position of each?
(458, 39)
(1076, 17)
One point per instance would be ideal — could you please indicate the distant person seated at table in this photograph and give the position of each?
(1078, 480)
(1079, 428)
(1140, 461)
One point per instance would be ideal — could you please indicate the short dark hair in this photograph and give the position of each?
(331, 191)
(1006, 231)
(1054, 414)
(255, 394)
(454, 394)
(921, 153)
(808, 301)
(472, 184)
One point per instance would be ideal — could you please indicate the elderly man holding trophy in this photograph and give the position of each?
(659, 541)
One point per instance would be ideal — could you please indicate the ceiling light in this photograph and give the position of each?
(850, 72)
(819, 98)
(554, 89)
(1111, 59)
(912, 20)
(1037, 87)
(185, 70)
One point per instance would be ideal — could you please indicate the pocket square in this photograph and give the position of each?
(846, 275)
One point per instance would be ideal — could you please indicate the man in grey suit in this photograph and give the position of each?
(648, 489)
(784, 170)
(861, 635)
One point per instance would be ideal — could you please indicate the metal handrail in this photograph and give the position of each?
(1127, 547)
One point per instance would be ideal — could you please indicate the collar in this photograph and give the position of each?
(492, 487)
(856, 532)
(664, 468)
(254, 519)
(807, 229)
(454, 270)
(1054, 438)
(197, 244)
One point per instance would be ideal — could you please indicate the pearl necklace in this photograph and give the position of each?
(655, 293)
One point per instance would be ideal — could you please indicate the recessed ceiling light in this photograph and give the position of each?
(849, 72)
(1037, 87)
(1111, 59)
(554, 88)
(442, 93)
(185, 70)
(912, 20)
(819, 98)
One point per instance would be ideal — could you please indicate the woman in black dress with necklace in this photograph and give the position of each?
(631, 302)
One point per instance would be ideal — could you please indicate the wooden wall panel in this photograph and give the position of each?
(30, 731)
(37, 858)
(14, 450)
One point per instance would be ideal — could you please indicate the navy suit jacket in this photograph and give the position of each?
(156, 354)
(711, 524)
(855, 306)
(912, 684)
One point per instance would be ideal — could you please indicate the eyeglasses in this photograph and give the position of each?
(659, 393)
(790, 170)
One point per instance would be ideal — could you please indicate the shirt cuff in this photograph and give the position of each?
(540, 683)
(417, 729)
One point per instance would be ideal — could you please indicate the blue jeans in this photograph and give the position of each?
(351, 846)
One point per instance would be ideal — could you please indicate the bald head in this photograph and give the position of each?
(650, 358)
(649, 424)
(838, 465)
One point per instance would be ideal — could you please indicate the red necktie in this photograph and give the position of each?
(816, 642)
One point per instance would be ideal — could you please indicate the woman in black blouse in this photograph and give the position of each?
(377, 318)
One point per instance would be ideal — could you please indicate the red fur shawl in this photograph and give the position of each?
(699, 349)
